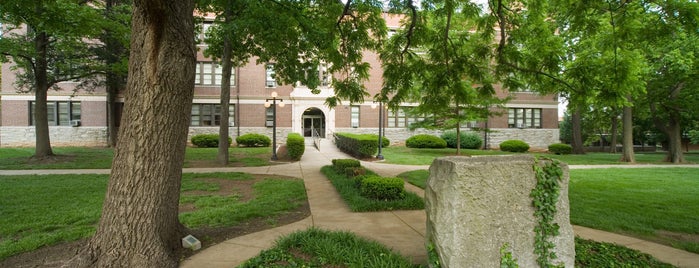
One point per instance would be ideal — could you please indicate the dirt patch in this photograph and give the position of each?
(57, 255)
(694, 238)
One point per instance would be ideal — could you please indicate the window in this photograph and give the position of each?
(206, 114)
(524, 118)
(269, 80)
(354, 119)
(60, 113)
(269, 117)
(401, 118)
(211, 74)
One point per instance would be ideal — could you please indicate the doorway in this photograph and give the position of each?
(313, 119)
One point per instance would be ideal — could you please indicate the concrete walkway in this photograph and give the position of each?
(403, 231)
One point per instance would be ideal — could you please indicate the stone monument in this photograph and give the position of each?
(475, 205)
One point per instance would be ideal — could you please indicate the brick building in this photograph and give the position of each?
(80, 118)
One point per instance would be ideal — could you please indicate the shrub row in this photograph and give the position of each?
(253, 140)
(207, 140)
(469, 140)
(295, 146)
(370, 186)
(425, 141)
(515, 146)
(359, 145)
(560, 148)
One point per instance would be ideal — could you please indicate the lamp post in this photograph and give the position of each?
(373, 106)
(273, 104)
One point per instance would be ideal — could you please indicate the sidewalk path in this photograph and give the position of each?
(403, 231)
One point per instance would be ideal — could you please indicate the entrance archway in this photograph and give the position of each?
(313, 119)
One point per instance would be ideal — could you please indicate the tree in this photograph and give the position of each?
(673, 55)
(297, 38)
(56, 30)
(586, 52)
(440, 63)
(139, 226)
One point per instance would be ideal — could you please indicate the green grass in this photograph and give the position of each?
(639, 202)
(319, 248)
(413, 156)
(101, 157)
(416, 177)
(595, 254)
(613, 159)
(42, 210)
(358, 203)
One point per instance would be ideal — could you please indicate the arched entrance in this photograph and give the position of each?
(313, 119)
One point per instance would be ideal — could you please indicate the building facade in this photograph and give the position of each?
(79, 118)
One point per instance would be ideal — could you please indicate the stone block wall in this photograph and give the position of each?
(59, 135)
(475, 205)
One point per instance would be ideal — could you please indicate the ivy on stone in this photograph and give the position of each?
(544, 198)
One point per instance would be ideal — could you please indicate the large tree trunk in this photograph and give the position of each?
(139, 225)
(627, 138)
(576, 122)
(674, 134)
(41, 123)
(615, 126)
(223, 144)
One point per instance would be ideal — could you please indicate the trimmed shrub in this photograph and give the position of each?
(382, 188)
(354, 171)
(359, 179)
(341, 164)
(425, 141)
(469, 140)
(560, 148)
(357, 145)
(207, 140)
(295, 146)
(253, 140)
(515, 146)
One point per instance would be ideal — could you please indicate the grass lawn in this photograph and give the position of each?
(412, 156)
(69, 206)
(319, 248)
(654, 204)
(101, 157)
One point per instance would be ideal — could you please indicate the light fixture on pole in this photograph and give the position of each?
(373, 106)
(273, 104)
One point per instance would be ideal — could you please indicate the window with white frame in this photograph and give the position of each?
(210, 74)
(524, 117)
(269, 80)
(400, 118)
(354, 118)
(209, 114)
(269, 117)
(60, 113)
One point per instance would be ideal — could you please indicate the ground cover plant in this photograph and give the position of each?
(101, 158)
(320, 248)
(212, 204)
(653, 204)
(350, 191)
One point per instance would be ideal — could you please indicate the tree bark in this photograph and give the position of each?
(576, 122)
(42, 147)
(227, 66)
(615, 126)
(627, 138)
(674, 134)
(139, 226)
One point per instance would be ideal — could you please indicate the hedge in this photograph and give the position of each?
(469, 140)
(340, 165)
(381, 188)
(515, 146)
(207, 140)
(560, 148)
(357, 145)
(253, 140)
(425, 141)
(295, 146)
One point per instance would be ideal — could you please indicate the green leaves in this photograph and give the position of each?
(544, 198)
